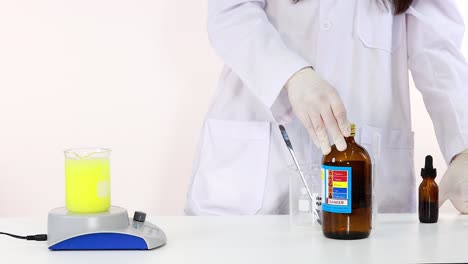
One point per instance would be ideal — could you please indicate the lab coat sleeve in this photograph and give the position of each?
(242, 35)
(434, 35)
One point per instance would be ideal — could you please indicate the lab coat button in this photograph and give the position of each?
(326, 25)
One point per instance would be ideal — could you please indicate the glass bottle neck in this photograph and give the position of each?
(350, 139)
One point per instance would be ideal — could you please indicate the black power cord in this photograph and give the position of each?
(39, 237)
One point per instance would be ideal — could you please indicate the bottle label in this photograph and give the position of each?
(337, 189)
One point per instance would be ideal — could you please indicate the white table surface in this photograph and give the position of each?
(260, 239)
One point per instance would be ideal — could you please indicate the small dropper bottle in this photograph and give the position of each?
(428, 194)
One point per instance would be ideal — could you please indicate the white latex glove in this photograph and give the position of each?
(454, 184)
(319, 107)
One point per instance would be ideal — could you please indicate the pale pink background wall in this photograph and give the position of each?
(133, 76)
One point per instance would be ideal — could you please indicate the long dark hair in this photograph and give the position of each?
(400, 6)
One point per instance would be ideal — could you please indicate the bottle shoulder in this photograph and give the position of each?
(354, 152)
(428, 183)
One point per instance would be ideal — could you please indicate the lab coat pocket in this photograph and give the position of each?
(394, 168)
(230, 178)
(377, 27)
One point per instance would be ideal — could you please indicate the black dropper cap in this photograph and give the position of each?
(428, 170)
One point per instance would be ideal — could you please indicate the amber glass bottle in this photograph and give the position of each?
(428, 194)
(347, 203)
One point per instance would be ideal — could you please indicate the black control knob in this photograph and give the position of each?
(139, 216)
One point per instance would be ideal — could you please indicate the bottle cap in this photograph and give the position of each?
(353, 129)
(428, 170)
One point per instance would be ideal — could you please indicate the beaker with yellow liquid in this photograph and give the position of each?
(87, 180)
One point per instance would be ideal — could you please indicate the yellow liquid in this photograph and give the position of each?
(87, 184)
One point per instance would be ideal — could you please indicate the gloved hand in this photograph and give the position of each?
(454, 184)
(319, 107)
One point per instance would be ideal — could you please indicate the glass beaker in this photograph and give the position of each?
(87, 180)
(304, 212)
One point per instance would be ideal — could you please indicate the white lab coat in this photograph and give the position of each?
(363, 51)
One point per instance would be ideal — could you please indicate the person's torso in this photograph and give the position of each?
(359, 47)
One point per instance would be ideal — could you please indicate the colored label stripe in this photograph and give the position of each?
(340, 190)
(340, 195)
(340, 184)
(340, 178)
(338, 173)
